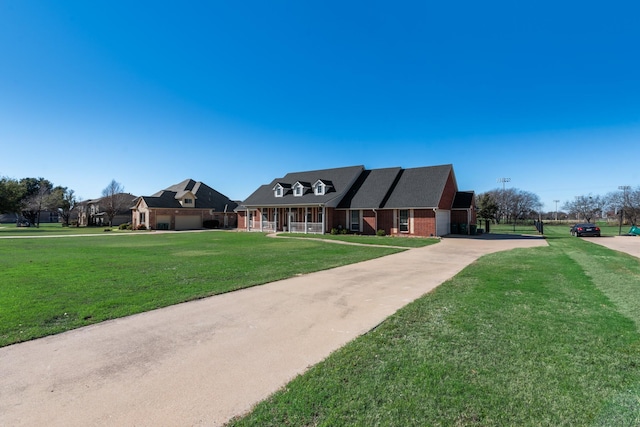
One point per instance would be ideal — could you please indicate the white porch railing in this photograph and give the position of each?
(265, 226)
(311, 227)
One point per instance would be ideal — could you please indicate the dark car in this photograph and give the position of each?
(585, 230)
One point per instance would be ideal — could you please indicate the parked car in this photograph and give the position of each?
(585, 230)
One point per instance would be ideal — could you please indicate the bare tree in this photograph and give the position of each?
(589, 207)
(113, 199)
(626, 202)
(35, 198)
(513, 204)
(64, 201)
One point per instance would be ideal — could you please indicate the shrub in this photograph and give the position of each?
(125, 226)
(211, 223)
(380, 233)
(141, 227)
(334, 231)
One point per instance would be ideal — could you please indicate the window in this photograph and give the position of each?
(188, 201)
(404, 220)
(142, 217)
(319, 189)
(355, 220)
(278, 191)
(298, 190)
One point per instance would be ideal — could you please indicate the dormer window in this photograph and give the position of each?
(298, 189)
(319, 189)
(278, 190)
(188, 201)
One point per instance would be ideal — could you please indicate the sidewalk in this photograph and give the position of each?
(203, 362)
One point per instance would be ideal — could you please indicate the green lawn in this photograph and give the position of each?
(531, 337)
(49, 285)
(51, 229)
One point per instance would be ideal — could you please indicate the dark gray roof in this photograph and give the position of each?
(205, 197)
(341, 179)
(463, 200)
(371, 189)
(419, 187)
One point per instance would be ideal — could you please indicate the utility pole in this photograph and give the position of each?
(556, 209)
(624, 189)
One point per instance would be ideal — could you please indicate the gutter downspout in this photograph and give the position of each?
(375, 215)
(435, 218)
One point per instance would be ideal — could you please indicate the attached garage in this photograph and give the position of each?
(188, 222)
(443, 222)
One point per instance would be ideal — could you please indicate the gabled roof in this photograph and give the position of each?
(341, 181)
(419, 187)
(205, 197)
(371, 189)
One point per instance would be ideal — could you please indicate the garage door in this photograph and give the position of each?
(163, 222)
(188, 222)
(443, 222)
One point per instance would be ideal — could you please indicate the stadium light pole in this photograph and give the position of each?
(556, 209)
(624, 189)
(503, 181)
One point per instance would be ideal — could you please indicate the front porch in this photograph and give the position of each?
(308, 219)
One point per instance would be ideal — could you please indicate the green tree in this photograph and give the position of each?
(487, 206)
(11, 193)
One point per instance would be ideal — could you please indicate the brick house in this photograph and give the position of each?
(188, 205)
(404, 202)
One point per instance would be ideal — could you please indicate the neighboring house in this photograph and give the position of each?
(92, 211)
(412, 202)
(188, 205)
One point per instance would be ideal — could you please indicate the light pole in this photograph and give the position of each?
(556, 201)
(624, 189)
(503, 181)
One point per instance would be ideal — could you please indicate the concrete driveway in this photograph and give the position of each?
(203, 362)
(628, 244)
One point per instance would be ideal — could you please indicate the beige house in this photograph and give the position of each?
(188, 205)
(93, 211)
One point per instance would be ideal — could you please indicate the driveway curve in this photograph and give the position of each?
(203, 362)
(627, 244)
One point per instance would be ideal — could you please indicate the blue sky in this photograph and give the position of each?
(236, 94)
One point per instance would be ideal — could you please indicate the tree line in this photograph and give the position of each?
(28, 197)
(511, 205)
(624, 203)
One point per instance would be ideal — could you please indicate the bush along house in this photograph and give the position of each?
(188, 205)
(420, 201)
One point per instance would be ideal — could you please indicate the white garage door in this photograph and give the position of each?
(443, 222)
(188, 222)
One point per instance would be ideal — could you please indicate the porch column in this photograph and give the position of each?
(275, 220)
(323, 220)
(248, 219)
(306, 210)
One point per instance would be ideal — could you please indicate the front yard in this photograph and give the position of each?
(49, 285)
(530, 337)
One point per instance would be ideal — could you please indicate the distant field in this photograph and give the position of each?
(49, 285)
